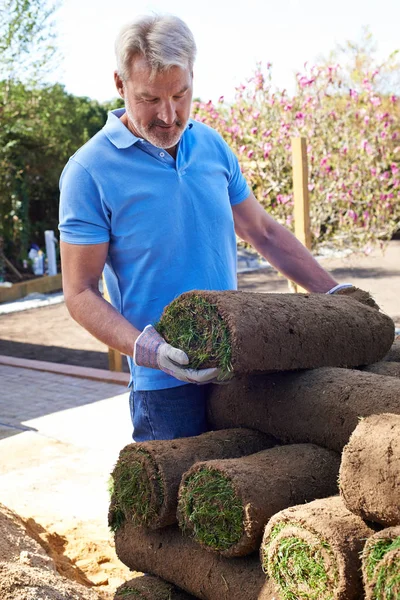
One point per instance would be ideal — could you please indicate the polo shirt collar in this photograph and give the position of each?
(118, 133)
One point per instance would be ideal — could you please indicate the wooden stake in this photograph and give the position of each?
(300, 196)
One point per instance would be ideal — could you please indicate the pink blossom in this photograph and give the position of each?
(352, 215)
(254, 130)
(221, 99)
(250, 154)
(256, 114)
(366, 120)
(323, 161)
(394, 136)
(300, 115)
(242, 149)
(329, 196)
(365, 145)
(344, 150)
(267, 133)
(396, 183)
(373, 171)
(305, 82)
(375, 101)
(393, 98)
(383, 134)
(353, 94)
(311, 186)
(288, 107)
(394, 168)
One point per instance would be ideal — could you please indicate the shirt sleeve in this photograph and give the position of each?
(238, 188)
(84, 218)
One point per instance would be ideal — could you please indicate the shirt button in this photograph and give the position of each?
(162, 154)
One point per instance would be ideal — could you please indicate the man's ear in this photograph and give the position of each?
(119, 84)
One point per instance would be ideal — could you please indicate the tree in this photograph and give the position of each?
(27, 40)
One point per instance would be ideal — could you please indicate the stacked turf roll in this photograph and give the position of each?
(381, 565)
(147, 475)
(244, 332)
(150, 588)
(313, 551)
(320, 406)
(179, 560)
(259, 514)
(370, 470)
(394, 353)
(384, 367)
(225, 504)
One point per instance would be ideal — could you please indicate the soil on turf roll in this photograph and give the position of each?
(225, 504)
(147, 475)
(245, 332)
(370, 470)
(381, 565)
(148, 587)
(384, 367)
(179, 560)
(320, 406)
(394, 353)
(312, 551)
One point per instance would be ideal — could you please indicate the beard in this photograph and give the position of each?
(154, 134)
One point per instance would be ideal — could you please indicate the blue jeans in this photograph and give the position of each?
(168, 414)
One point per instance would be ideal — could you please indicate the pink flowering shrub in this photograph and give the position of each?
(353, 139)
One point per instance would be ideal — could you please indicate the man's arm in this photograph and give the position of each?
(82, 266)
(279, 246)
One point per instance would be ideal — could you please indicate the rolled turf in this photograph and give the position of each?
(384, 367)
(381, 565)
(225, 504)
(146, 477)
(312, 552)
(370, 470)
(320, 406)
(148, 587)
(245, 332)
(394, 353)
(179, 560)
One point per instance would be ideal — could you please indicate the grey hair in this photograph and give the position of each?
(164, 40)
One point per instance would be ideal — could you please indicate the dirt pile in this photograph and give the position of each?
(27, 572)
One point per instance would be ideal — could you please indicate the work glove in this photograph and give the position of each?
(347, 289)
(151, 350)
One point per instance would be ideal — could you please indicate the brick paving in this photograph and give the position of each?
(26, 394)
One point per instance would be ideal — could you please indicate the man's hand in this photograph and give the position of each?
(347, 289)
(151, 350)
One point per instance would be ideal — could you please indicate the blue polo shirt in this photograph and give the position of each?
(168, 222)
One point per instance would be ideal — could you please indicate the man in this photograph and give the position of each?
(155, 199)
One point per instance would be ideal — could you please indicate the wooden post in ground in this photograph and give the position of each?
(300, 196)
(114, 356)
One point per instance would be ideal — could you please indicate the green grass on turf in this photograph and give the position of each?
(213, 510)
(298, 567)
(132, 497)
(195, 326)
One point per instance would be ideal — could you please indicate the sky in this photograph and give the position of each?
(231, 37)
